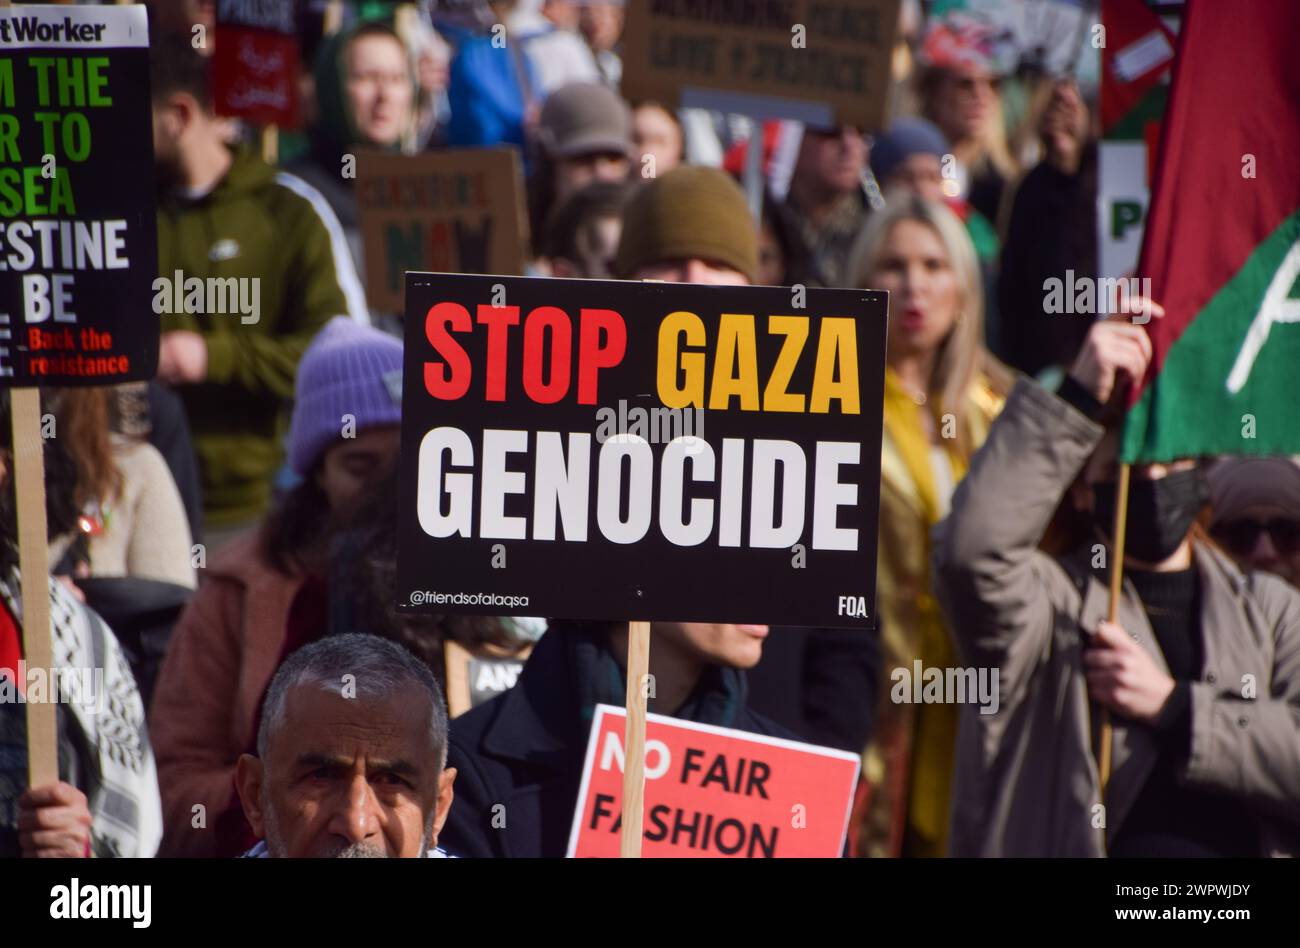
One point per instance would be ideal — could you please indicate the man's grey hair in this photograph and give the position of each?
(377, 668)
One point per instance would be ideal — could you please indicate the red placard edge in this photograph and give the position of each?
(608, 709)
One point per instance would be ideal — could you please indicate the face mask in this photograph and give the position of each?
(1160, 512)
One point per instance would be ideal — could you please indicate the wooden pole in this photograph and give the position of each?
(270, 144)
(638, 668)
(753, 171)
(333, 19)
(456, 659)
(1112, 612)
(34, 562)
(406, 21)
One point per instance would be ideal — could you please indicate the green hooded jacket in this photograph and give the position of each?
(275, 234)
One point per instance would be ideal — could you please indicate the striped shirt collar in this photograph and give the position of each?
(260, 852)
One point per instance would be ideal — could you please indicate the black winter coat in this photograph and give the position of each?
(519, 757)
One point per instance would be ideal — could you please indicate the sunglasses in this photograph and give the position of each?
(1241, 536)
(972, 83)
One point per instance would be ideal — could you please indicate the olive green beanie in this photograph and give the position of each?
(691, 212)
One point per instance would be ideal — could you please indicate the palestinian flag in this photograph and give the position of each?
(1138, 52)
(1222, 244)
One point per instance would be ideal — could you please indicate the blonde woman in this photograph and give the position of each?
(942, 390)
(960, 88)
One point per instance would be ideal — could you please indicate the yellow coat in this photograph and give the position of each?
(908, 765)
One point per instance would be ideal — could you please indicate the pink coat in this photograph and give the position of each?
(222, 655)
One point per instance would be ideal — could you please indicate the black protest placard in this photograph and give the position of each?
(78, 240)
(598, 449)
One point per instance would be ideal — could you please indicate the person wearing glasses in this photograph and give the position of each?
(1256, 503)
(960, 89)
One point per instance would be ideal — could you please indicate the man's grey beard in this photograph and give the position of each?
(275, 847)
(356, 851)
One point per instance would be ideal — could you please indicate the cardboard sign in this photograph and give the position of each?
(598, 449)
(833, 56)
(715, 792)
(473, 679)
(255, 61)
(78, 231)
(1124, 193)
(459, 210)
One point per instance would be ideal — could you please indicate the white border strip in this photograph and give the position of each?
(123, 26)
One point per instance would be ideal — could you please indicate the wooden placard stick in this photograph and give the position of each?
(456, 661)
(1112, 612)
(406, 21)
(34, 562)
(333, 19)
(270, 144)
(638, 670)
(753, 178)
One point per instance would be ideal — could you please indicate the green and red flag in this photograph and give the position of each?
(1137, 55)
(1222, 243)
(1137, 58)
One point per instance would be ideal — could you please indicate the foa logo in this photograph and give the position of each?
(855, 606)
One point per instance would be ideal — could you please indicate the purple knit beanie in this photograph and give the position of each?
(349, 369)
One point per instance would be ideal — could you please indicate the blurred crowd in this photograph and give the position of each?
(227, 549)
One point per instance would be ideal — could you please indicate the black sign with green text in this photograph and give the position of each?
(78, 240)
